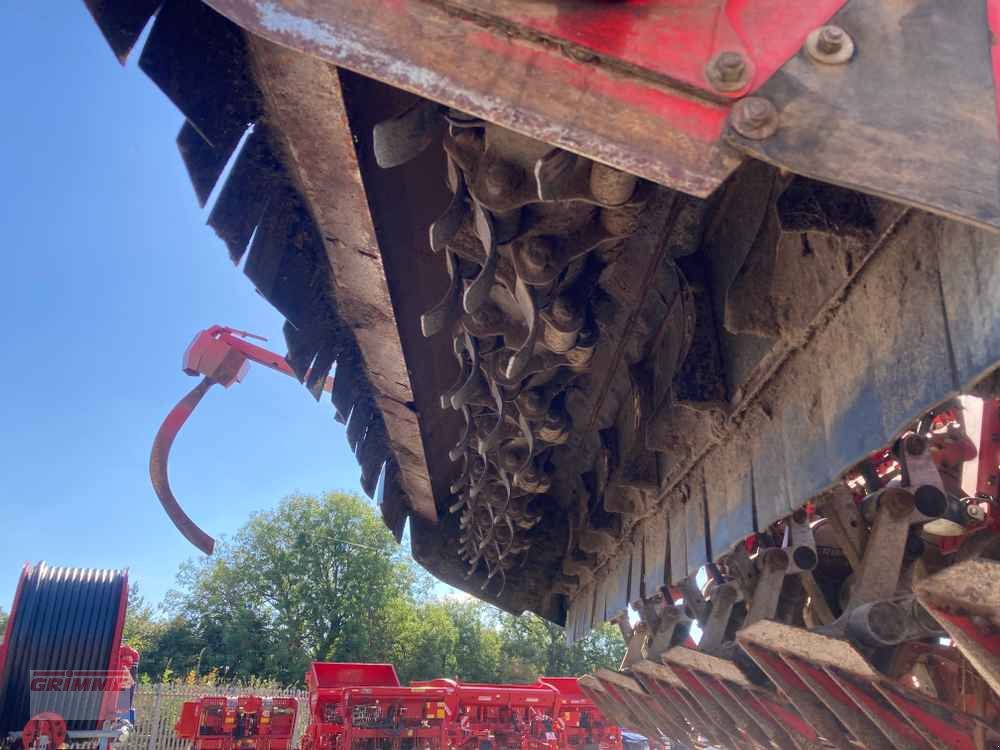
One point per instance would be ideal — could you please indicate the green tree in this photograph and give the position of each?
(142, 629)
(315, 578)
(424, 641)
(533, 647)
(478, 649)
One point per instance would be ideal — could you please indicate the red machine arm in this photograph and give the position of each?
(222, 356)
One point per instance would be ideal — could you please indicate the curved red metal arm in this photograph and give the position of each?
(221, 356)
(158, 467)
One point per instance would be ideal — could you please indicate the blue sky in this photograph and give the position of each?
(109, 272)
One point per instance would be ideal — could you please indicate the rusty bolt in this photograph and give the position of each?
(502, 178)
(728, 71)
(830, 44)
(730, 66)
(754, 118)
(830, 40)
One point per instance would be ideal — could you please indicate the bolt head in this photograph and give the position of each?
(754, 117)
(730, 66)
(830, 45)
(728, 71)
(831, 39)
(756, 111)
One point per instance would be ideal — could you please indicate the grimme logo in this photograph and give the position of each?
(74, 694)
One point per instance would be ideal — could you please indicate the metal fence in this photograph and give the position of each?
(157, 708)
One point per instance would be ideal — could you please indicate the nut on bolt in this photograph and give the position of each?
(754, 118)
(728, 71)
(830, 45)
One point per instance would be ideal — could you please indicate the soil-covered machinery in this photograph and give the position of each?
(238, 722)
(66, 680)
(683, 305)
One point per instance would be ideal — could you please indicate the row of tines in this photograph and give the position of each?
(523, 221)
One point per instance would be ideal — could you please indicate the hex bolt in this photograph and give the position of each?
(754, 118)
(728, 71)
(830, 40)
(830, 44)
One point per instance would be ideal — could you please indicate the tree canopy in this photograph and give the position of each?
(321, 578)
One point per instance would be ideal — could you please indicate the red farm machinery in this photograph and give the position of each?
(581, 723)
(244, 722)
(484, 716)
(684, 307)
(364, 707)
(65, 677)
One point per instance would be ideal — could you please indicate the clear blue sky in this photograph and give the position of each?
(109, 271)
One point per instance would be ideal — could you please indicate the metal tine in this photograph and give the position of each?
(526, 301)
(448, 224)
(478, 291)
(448, 310)
(404, 137)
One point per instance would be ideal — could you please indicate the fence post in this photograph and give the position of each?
(154, 727)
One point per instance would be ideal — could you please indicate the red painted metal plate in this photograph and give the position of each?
(673, 40)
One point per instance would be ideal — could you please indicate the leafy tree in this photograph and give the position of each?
(3, 623)
(142, 630)
(312, 579)
(479, 649)
(533, 647)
